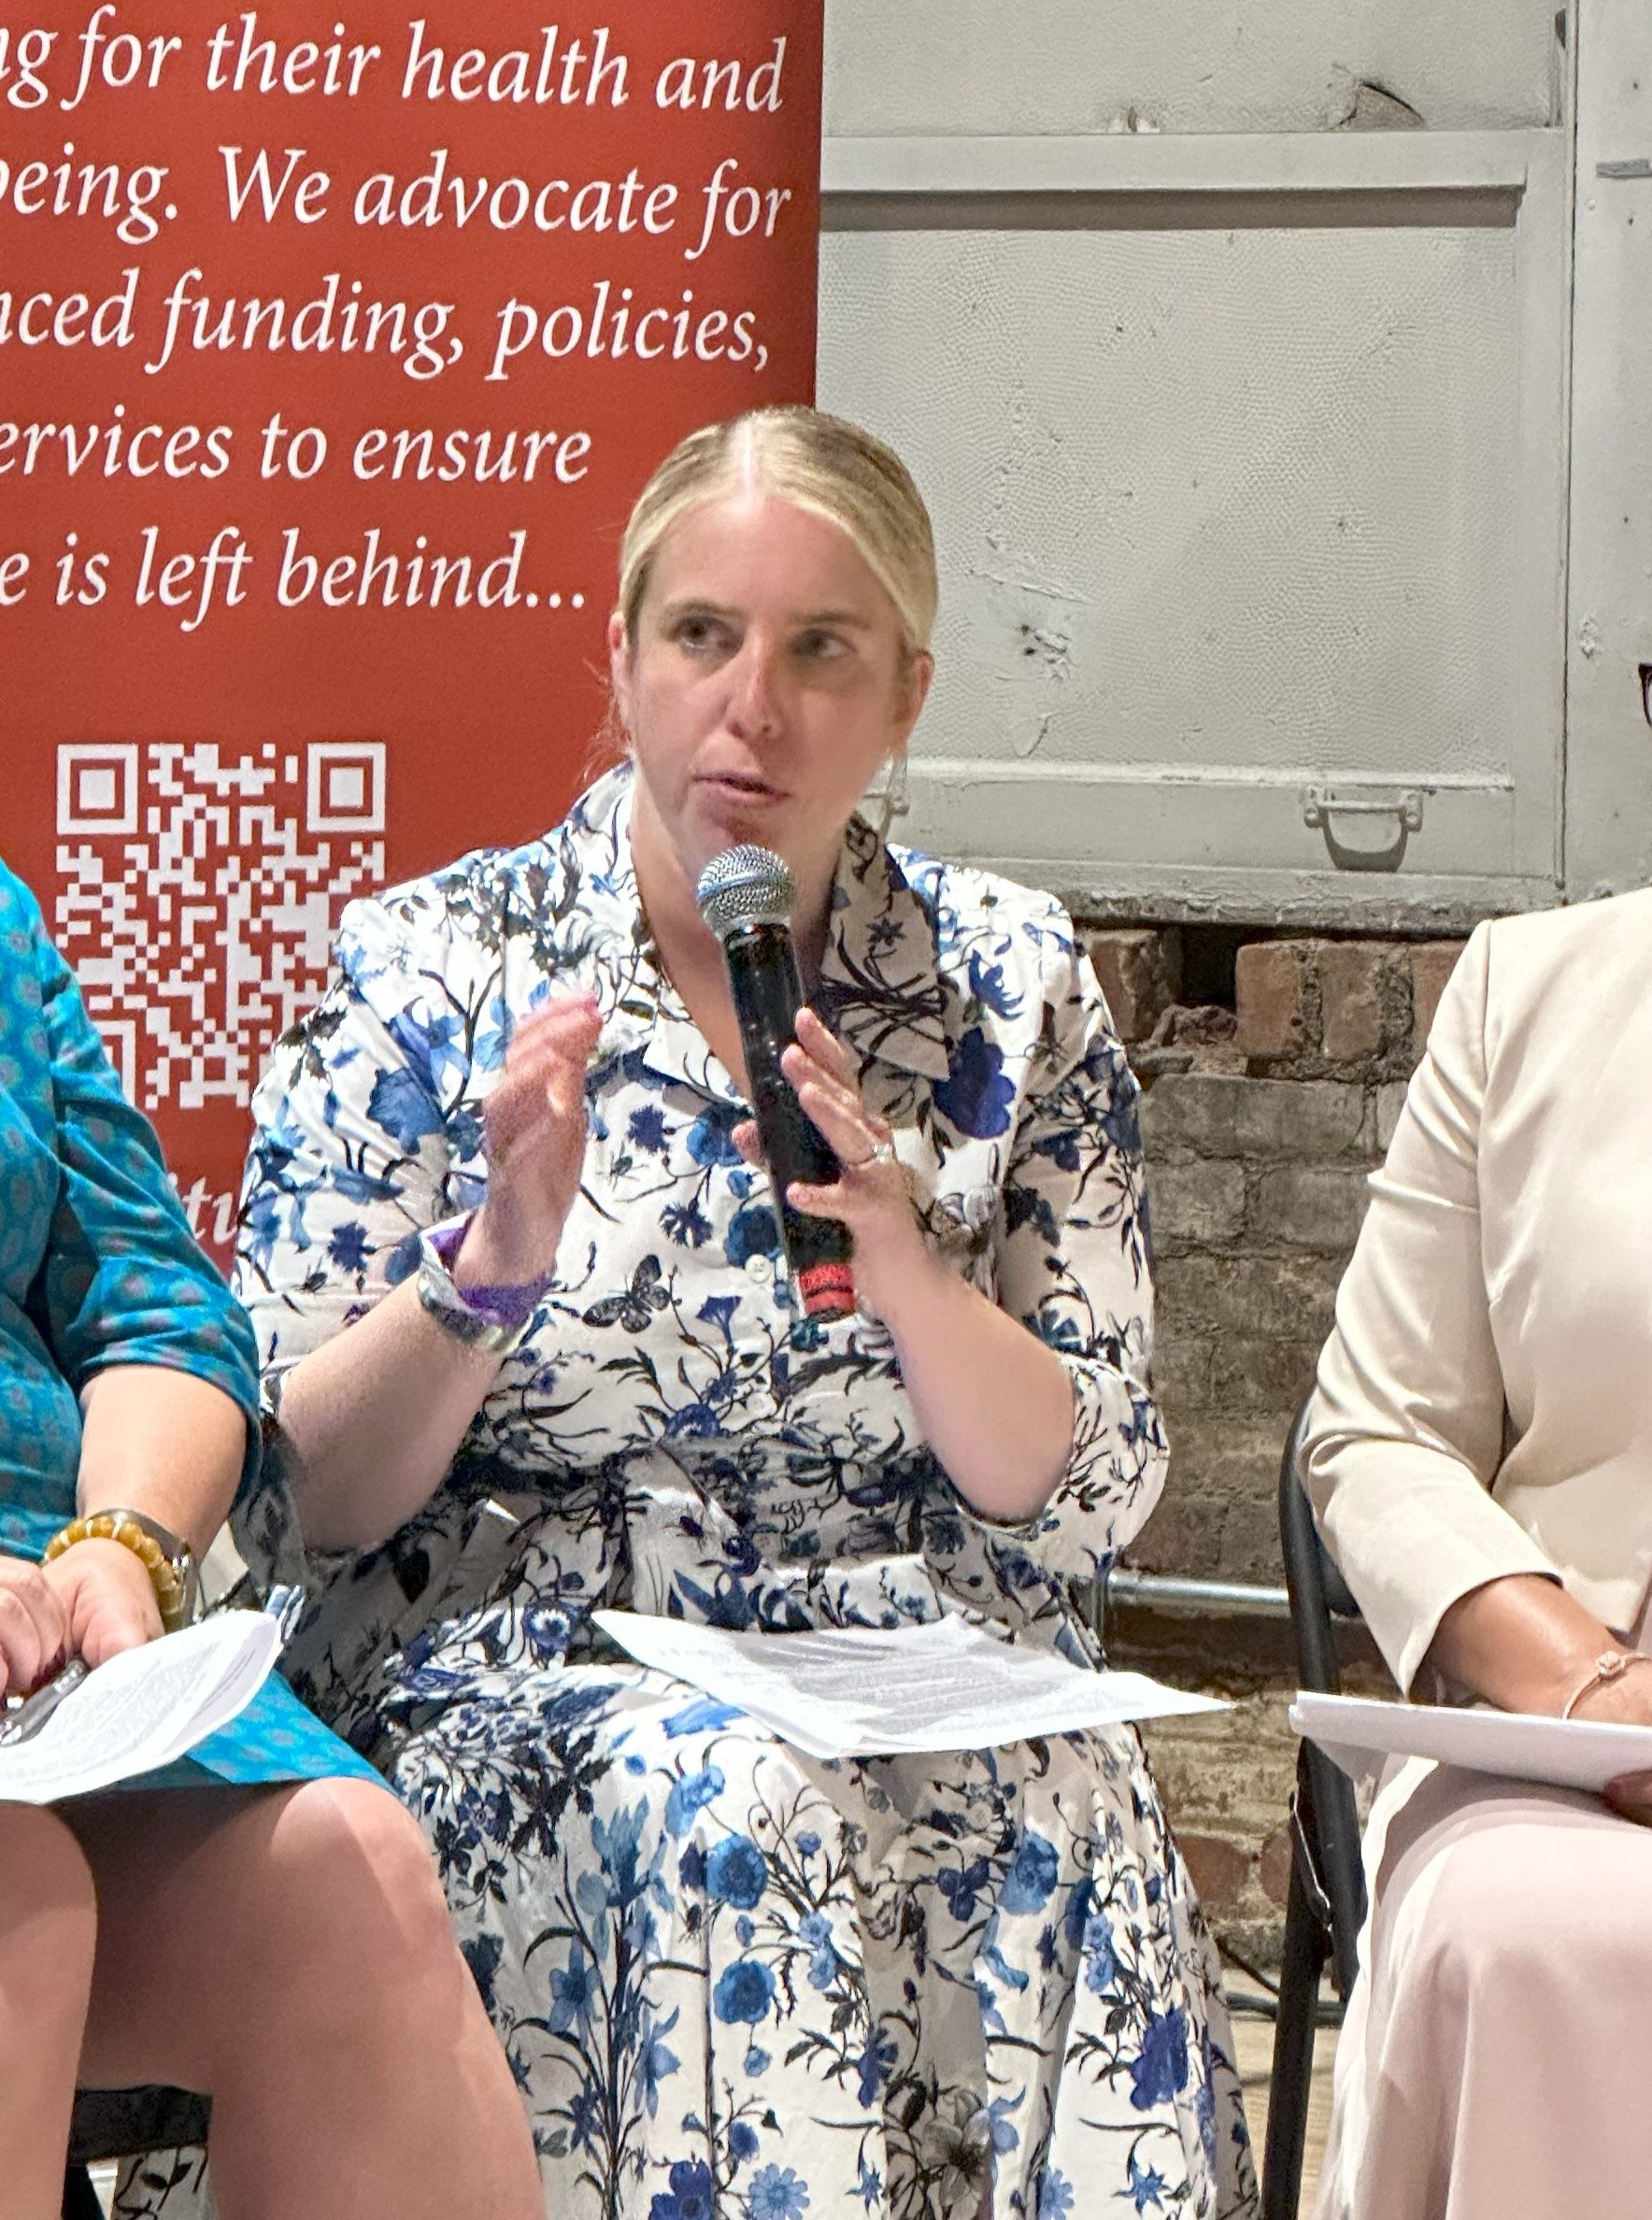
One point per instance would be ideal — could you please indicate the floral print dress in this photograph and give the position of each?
(733, 1980)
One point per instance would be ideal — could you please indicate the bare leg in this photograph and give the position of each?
(47, 1927)
(287, 1952)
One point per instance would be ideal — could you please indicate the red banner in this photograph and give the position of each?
(332, 355)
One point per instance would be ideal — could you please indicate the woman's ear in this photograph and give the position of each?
(916, 673)
(619, 668)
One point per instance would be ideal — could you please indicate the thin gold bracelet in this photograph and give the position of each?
(1610, 1666)
(171, 1586)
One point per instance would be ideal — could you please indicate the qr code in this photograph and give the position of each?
(199, 891)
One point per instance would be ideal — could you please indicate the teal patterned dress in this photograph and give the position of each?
(97, 1267)
(734, 1980)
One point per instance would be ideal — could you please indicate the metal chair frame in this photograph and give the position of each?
(1325, 1907)
(123, 2124)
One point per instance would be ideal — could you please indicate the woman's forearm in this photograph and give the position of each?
(372, 1420)
(164, 1442)
(1521, 1641)
(994, 1402)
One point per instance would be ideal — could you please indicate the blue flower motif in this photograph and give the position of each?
(691, 2195)
(960, 1886)
(776, 2194)
(717, 1310)
(1159, 2071)
(404, 1109)
(876, 2063)
(686, 1224)
(585, 2118)
(702, 1717)
(617, 1843)
(690, 1795)
(1146, 2186)
(482, 1953)
(573, 1994)
(1005, 2134)
(1101, 1963)
(403, 1261)
(1121, 1125)
(737, 1872)
(754, 1231)
(1204, 2101)
(1032, 1875)
(430, 1043)
(708, 1138)
(815, 1929)
(743, 1992)
(647, 1129)
(657, 2062)
(975, 1097)
(742, 2142)
(347, 1245)
(1055, 2196)
(986, 985)
(695, 1421)
(1080, 1898)
(808, 1844)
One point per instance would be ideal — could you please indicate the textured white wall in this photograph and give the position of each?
(1078, 65)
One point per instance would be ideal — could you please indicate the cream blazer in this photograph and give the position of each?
(1485, 1401)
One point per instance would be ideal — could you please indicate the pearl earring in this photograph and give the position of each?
(896, 797)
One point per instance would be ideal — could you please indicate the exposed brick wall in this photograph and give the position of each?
(1261, 1123)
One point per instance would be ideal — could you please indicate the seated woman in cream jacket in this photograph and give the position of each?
(1480, 1459)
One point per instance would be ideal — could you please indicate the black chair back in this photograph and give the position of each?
(1325, 1907)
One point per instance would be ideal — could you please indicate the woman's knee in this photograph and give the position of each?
(352, 1876)
(1504, 1915)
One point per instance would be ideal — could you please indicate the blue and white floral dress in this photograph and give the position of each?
(731, 1980)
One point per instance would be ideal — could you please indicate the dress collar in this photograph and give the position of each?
(880, 986)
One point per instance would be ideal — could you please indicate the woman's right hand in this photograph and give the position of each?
(534, 1125)
(33, 1627)
(95, 1600)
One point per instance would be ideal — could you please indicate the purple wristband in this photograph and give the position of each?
(495, 1306)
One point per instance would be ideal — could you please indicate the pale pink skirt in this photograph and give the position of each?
(1497, 2054)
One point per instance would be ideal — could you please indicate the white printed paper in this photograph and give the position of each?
(144, 1708)
(1519, 1745)
(861, 1692)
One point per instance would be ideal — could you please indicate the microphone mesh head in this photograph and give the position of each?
(744, 885)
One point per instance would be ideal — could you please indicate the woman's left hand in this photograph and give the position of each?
(892, 1265)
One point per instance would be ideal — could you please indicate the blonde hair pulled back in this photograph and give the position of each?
(810, 461)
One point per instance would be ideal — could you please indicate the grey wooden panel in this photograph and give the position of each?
(1272, 65)
(1232, 503)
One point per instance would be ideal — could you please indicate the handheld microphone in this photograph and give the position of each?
(746, 895)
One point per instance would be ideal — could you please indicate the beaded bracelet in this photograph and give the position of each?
(1610, 1666)
(169, 1562)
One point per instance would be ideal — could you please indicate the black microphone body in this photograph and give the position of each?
(745, 896)
(768, 994)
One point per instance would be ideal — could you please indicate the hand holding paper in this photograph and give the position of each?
(144, 1708)
(1520, 1746)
